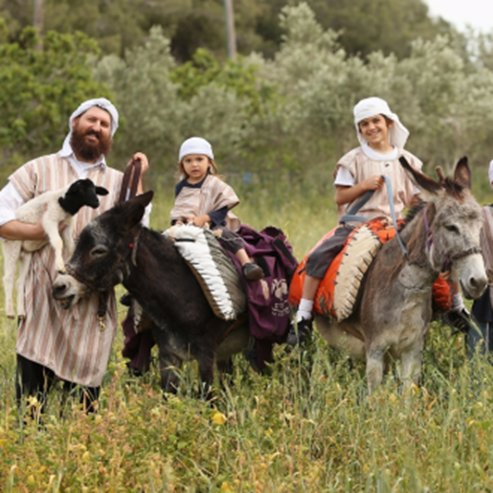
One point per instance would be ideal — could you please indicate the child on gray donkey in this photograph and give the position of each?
(382, 138)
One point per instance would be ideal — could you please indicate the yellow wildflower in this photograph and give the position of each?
(219, 418)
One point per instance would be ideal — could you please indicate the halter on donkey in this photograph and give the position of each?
(395, 307)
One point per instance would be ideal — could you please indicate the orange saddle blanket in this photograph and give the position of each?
(338, 290)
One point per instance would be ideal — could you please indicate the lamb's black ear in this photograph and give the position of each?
(101, 191)
(462, 173)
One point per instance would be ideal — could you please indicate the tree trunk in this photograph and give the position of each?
(38, 21)
(230, 28)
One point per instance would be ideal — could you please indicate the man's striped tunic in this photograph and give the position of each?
(69, 342)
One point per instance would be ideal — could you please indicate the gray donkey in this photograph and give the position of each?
(395, 306)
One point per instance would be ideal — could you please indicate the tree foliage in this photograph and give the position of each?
(389, 26)
(41, 88)
(441, 98)
(287, 116)
(118, 25)
(163, 104)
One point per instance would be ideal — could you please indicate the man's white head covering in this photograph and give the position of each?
(369, 107)
(102, 103)
(195, 145)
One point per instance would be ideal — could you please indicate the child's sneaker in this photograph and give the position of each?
(461, 320)
(252, 272)
(300, 333)
(126, 299)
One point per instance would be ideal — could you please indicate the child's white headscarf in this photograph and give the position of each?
(195, 145)
(102, 103)
(369, 107)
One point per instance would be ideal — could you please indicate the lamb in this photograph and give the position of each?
(52, 209)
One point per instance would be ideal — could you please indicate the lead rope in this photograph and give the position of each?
(351, 214)
(128, 190)
(390, 195)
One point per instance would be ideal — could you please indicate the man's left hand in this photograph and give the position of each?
(144, 162)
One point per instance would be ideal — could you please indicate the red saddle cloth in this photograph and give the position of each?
(324, 297)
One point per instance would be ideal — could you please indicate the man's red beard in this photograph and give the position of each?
(88, 150)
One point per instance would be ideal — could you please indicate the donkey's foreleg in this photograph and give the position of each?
(411, 360)
(169, 366)
(206, 370)
(170, 358)
(374, 367)
(225, 370)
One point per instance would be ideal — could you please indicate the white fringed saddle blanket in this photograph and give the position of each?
(358, 255)
(214, 270)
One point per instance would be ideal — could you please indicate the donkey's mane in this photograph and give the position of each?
(454, 188)
(412, 213)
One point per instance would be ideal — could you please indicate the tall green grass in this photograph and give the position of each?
(309, 426)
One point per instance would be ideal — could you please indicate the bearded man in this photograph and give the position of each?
(54, 343)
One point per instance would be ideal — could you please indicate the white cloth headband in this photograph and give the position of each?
(369, 107)
(102, 103)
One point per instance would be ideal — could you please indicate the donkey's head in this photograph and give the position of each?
(454, 221)
(103, 252)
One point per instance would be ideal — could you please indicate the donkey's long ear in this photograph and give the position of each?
(423, 181)
(462, 173)
(440, 174)
(134, 208)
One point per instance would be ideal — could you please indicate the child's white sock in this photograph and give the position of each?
(457, 302)
(304, 309)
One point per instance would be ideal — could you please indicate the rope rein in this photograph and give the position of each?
(351, 216)
(130, 183)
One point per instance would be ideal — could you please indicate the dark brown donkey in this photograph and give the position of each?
(115, 248)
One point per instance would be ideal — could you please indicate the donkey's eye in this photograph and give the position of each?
(452, 228)
(99, 251)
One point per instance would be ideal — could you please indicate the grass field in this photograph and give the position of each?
(309, 427)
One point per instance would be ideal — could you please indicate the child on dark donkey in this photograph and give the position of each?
(382, 139)
(203, 199)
